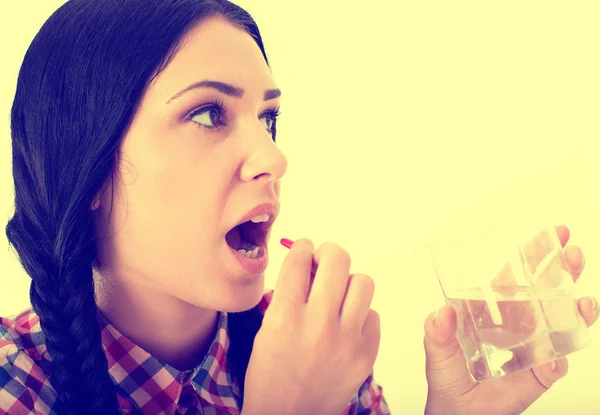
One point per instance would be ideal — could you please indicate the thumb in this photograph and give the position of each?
(446, 368)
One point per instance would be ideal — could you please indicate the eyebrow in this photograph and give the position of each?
(224, 88)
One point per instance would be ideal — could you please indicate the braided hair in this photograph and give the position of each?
(79, 85)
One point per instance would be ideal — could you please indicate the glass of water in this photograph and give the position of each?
(514, 298)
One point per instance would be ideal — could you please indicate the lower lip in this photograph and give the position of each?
(253, 266)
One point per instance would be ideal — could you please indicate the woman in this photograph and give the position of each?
(147, 179)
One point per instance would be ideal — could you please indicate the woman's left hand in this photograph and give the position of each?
(451, 390)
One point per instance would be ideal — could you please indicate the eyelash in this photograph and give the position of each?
(212, 105)
(218, 105)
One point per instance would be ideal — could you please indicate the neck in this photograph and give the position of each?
(174, 331)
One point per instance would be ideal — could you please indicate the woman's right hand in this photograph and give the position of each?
(319, 338)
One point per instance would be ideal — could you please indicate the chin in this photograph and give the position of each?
(243, 296)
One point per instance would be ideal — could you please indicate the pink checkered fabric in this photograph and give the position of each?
(144, 384)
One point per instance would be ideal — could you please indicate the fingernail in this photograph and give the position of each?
(553, 365)
(436, 319)
(594, 304)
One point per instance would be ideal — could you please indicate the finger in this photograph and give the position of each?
(445, 362)
(535, 382)
(357, 303)
(588, 308)
(538, 248)
(534, 252)
(331, 280)
(372, 333)
(505, 282)
(546, 375)
(575, 261)
(563, 234)
(293, 282)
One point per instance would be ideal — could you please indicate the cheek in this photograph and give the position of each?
(167, 215)
(165, 225)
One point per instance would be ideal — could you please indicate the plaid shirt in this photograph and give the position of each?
(144, 384)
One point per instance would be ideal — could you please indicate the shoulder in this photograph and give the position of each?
(22, 333)
(24, 386)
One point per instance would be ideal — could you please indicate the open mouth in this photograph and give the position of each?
(248, 238)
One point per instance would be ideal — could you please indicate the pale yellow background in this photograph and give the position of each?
(398, 116)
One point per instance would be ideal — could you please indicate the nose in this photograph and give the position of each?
(265, 160)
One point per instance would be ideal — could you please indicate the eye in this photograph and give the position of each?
(269, 119)
(209, 116)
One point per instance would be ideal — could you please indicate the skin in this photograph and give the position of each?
(181, 187)
(451, 389)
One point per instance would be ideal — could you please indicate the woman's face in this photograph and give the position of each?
(192, 165)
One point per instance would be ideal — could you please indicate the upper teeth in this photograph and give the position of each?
(260, 218)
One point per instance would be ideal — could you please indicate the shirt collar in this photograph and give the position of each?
(145, 380)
